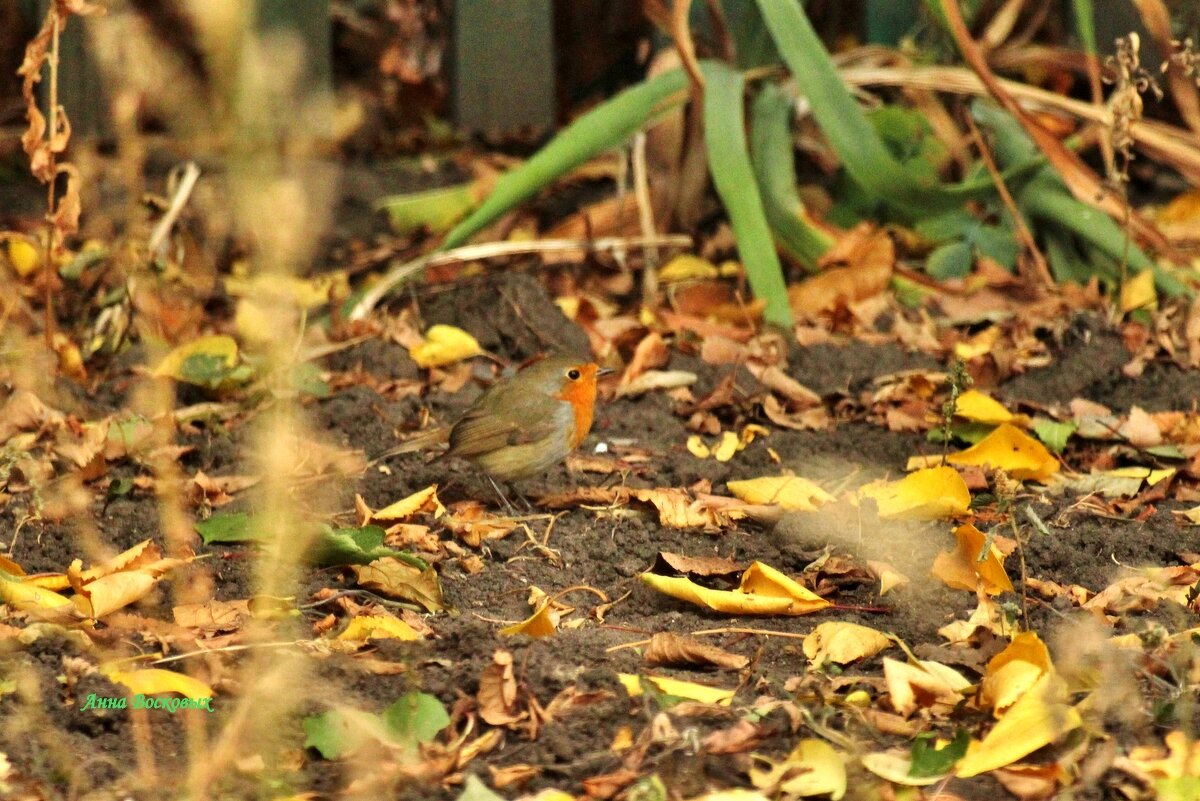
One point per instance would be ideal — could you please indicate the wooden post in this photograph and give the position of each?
(503, 65)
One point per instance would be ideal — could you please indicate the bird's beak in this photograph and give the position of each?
(603, 371)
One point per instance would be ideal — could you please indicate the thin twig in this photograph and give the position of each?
(51, 200)
(641, 193)
(490, 250)
(1039, 261)
(191, 173)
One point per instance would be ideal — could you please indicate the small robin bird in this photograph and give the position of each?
(523, 425)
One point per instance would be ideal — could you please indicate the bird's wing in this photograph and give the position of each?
(519, 420)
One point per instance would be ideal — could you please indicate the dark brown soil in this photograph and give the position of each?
(69, 753)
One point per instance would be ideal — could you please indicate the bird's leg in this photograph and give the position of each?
(496, 487)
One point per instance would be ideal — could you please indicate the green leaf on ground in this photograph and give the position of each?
(929, 760)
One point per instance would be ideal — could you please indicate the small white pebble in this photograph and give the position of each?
(601, 447)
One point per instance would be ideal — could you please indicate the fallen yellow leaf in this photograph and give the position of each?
(542, 623)
(680, 689)
(763, 591)
(378, 627)
(930, 494)
(962, 568)
(444, 344)
(977, 407)
(422, 501)
(1011, 450)
(727, 447)
(790, 492)
(697, 448)
(153, 681)
(1040, 717)
(1138, 292)
(217, 346)
(841, 643)
(686, 267)
(1013, 671)
(813, 767)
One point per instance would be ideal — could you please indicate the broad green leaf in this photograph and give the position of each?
(435, 209)
(414, 718)
(1047, 200)
(952, 260)
(602, 128)
(849, 133)
(773, 161)
(1053, 434)
(929, 760)
(417, 717)
(234, 527)
(356, 546)
(729, 161)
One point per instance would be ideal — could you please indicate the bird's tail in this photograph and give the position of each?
(422, 441)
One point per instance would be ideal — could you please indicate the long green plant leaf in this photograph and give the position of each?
(1046, 198)
(772, 158)
(602, 128)
(861, 150)
(729, 161)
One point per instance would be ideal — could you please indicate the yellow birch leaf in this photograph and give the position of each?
(28, 597)
(1150, 476)
(1011, 450)
(422, 501)
(1138, 292)
(697, 448)
(679, 689)
(789, 492)
(1039, 718)
(889, 577)
(217, 346)
(729, 445)
(153, 681)
(979, 345)
(962, 568)
(934, 493)
(307, 293)
(542, 623)
(813, 767)
(980, 408)
(1013, 671)
(729, 602)
(686, 267)
(23, 255)
(1182, 759)
(378, 627)
(762, 580)
(444, 344)
(841, 643)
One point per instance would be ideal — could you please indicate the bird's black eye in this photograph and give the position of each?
(573, 374)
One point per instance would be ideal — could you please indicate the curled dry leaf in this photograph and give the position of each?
(969, 566)
(497, 695)
(652, 352)
(398, 579)
(698, 565)
(656, 379)
(865, 259)
(675, 650)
